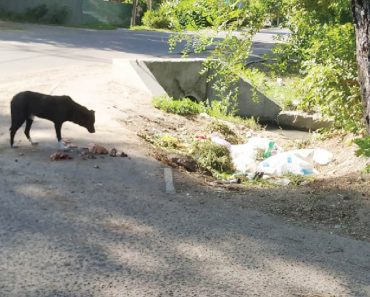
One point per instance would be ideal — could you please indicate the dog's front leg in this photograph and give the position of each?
(58, 131)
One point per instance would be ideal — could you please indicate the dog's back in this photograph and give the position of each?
(54, 108)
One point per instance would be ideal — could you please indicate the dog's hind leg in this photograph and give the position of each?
(29, 122)
(16, 124)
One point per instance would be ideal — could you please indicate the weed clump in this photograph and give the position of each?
(225, 131)
(168, 141)
(212, 157)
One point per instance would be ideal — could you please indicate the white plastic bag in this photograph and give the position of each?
(244, 158)
(218, 140)
(267, 146)
(284, 163)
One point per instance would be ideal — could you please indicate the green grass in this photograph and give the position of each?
(187, 107)
(282, 90)
(184, 107)
(99, 26)
(363, 146)
(146, 28)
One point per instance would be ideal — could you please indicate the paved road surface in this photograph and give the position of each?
(106, 227)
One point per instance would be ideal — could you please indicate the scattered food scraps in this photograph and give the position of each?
(60, 156)
(98, 149)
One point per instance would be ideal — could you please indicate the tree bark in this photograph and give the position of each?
(361, 16)
(133, 13)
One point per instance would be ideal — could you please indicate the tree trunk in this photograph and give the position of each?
(133, 13)
(361, 16)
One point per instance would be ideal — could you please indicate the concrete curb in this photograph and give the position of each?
(181, 78)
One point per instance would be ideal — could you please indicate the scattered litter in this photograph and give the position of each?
(280, 181)
(201, 137)
(123, 155)
(233, 181)
(68, 144)
(60, 156)
(204, 115)
(245, 156)
(262, 157)
(219, 140)
(113, 152)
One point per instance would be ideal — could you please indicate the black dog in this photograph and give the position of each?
(58, 109)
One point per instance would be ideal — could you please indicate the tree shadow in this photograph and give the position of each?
(77, 230)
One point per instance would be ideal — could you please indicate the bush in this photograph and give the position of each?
(333, 91)
(35, 14)
(58, 15)
(186, 14)
(157, 19)
(38, 14)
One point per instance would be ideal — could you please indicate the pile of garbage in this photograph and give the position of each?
(262, 157)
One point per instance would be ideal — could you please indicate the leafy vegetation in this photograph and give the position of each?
(363, 149)
(157, 19)
(364, 146)
(321, 50)
(316, 61)
(38, 14)
(184, 107)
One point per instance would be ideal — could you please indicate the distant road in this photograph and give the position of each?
(31, 47)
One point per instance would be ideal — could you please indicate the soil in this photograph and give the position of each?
(337, 199)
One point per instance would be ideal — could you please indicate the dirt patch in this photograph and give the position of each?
(337, 199)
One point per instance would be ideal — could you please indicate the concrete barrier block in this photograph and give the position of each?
(303, 121)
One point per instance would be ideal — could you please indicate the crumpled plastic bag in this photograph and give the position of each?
(244, 156)
(298, 162)
(277, 163)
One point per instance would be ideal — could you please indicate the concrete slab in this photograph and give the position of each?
(181, 78)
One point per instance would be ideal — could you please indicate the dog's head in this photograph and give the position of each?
(86, 118)
(90, 121)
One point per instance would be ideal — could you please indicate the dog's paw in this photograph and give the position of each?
(62, 146)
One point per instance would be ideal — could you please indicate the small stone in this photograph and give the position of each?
(96, 166)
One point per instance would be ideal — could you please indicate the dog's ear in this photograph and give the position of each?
(92, 111)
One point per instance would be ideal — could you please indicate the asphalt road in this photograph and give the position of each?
(106, 226)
